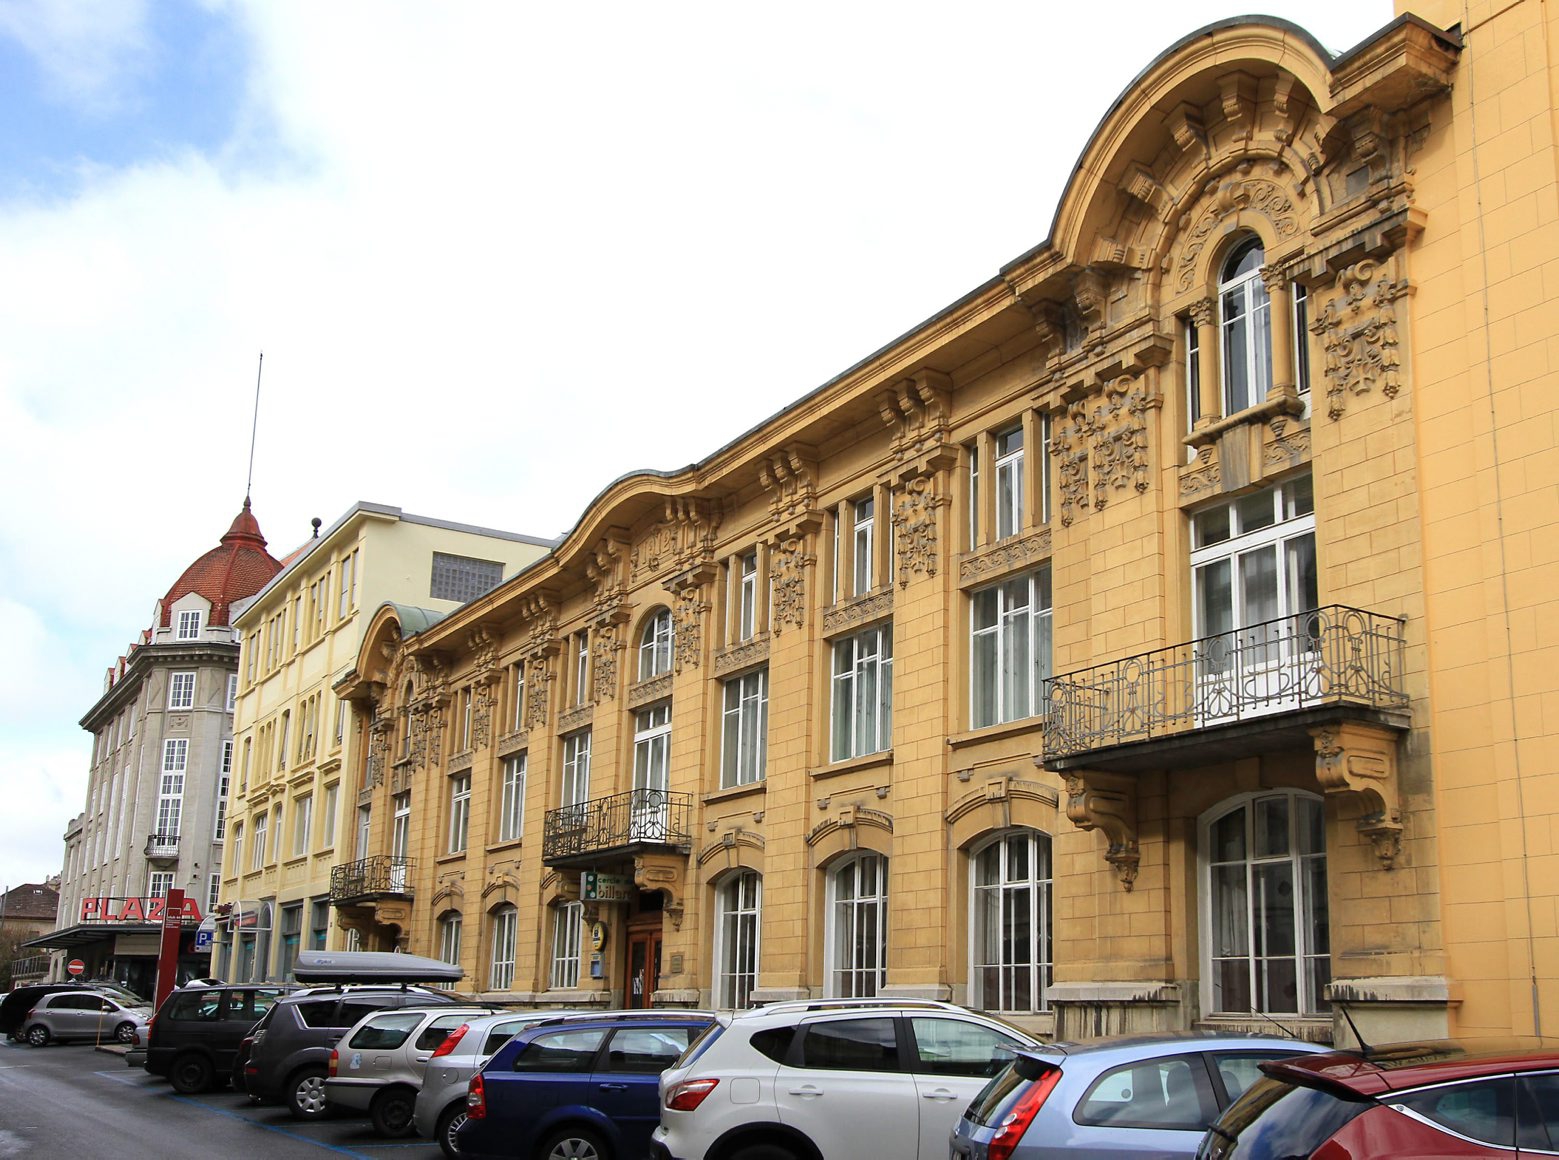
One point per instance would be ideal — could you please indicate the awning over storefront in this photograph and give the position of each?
(87, 933)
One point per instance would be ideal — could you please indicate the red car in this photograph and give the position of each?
(1438, 1099)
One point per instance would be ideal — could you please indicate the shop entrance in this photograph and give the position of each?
(643, 974)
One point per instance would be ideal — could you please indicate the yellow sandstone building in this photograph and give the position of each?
(1161, 635)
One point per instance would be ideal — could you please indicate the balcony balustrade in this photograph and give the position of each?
(585, 831)
(162, 846)
(1331, 657)
(381, 875)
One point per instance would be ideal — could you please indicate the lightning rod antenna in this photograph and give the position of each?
(254, 427)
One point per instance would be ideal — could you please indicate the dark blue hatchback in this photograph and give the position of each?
(581, 1087)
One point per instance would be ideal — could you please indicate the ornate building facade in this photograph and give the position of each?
(1153, 638)
(287, 821)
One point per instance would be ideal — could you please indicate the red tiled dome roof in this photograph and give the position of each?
(239, 567)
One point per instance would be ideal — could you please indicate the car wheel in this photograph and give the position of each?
(573, 1144)
(190, 1074)
(306, 1094)
(391, 1111)
(125, 1033)
(448, 1124)
(38, 1035)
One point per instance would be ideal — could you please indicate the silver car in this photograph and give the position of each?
(441, 1104)
(1137, 1095)
(92, 1015)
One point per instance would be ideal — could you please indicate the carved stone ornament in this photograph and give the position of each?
(683, 539)
(1105, 437)
(482, 715)
(538, 683)
(483, 646)
(1005, 557)
(741, 656)
(379, 731)
(915, 507)
(1289, 446)
(1107, 802)
(791, 478)
(852, 614)
(1204, 478)
(1358, 331)
(1240, 190)
(1361, 760)
(606, 647)
(688, 607)
(917, 412)
(788, 565)
(604, 568)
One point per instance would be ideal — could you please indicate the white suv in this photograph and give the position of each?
(830, 1079)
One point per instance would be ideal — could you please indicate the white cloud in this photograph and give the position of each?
(88, 50)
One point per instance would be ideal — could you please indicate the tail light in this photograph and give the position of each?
(453, 1038)
(476, 1098)
(335, 1062)
(687, 1095)
(1017, 1121)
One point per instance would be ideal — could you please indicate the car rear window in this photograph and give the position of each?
(701, 1043)
(993, 1096)
(1275, 1120)
(1151, 1093)
(1481, 1109)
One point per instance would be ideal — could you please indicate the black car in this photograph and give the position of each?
(194, 1037)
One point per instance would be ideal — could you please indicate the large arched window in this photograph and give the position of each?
(738, 902)
(1245, 320)
(1009, 913)
(568, 924)
(449, 939)
(1265, 929)
(857, 937)
(500, 975)
(655, 646)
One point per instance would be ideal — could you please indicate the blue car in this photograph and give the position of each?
(580, 1087)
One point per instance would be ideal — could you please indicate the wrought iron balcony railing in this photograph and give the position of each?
(1329, 656)
(162, 845)
(32, 966)
(368, 877)
(640, 817)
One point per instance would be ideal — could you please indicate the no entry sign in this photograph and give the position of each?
(76, 967)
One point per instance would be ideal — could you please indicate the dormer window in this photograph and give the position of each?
(189, 625)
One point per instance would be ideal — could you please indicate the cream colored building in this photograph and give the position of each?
(1160, 635)
(289, 822)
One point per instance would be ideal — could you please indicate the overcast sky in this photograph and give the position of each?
(496, 256)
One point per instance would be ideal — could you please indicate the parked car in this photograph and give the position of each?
(441, 1101)
(193, 1039)
(583, 1087)
(1132, 1095)
(15, 1005)
(67, 1015)
(289, 1051)
(377, 1067)
(1440, 1098)
(831, 1078)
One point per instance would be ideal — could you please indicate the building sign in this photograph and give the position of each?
(135, 910)
(598, 886)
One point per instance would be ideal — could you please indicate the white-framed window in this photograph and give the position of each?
(511, 798)
(257, 846)
(467, 717)
(302, 823)
(1266, 934)
(348, 571)
(170, 789)
(252, 656)
(568, 925)
(189, 625)
(340, 731)
(449, 929)
(224, 782)
(332, 800)
(738, 903)
(972, 455)
(862, 693)
(459, 812)
(518, 723)
(1043, 468)
(863, 544)
(364, 821)
(1009, 482)
(237, 864)
(655, 645)
(400, 827)
(576, 768)
(747, 598)
(1009, 913)
(500, 974)
(285, 731)
(181, 691)
(651, 773)
(1253, 570)
(232, 691)
(158, 883)
(1010, 648)
(581, 667)
(745, 729)
(213, 891)
(1245, 320)
(857, 935)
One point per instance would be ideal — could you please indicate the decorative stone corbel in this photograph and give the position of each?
(1361, 759)
(1107, 802)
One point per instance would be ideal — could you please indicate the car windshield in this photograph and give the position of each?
(1275, 1120)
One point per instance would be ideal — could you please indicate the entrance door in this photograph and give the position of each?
(643, 975)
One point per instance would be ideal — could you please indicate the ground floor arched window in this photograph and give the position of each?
(857, 938)
(738, 903)
(1009, 917)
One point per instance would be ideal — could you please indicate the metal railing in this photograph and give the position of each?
(377, 874)
(1327, 656)
(32, 966)
(650, 817)
(162, 845)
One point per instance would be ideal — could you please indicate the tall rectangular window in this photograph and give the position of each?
(232, 691)
(285, 731)
(863, 693)
(747, 622)
(364, 820)
(302, 823)
(1045, 466)
(511, 799)
(581, 667)
(1010, 649)
(466, 718)
(319, 923)
(213, 891)
(332, 796)
(181, 691)
(517, 723)
(170, 791)
(737, 905)
(576, 768)
(224, 781)
(449, 939)
(972, 451)
(500, 975)
(568, 925)
(348, 571)
(459, 812)
(1009, 483)
(863, 544)
(744, 737)
(159, 882)
(189, 626)
(257, 844)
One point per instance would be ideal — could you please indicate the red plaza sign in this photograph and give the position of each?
(137, 910)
